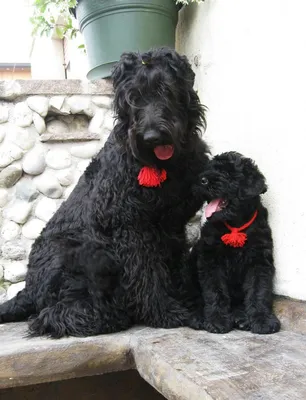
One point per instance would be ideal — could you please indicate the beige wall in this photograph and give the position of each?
(250, 61)
(17, 74)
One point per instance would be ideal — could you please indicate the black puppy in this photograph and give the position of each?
(234, 256)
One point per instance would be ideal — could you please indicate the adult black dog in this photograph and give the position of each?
(111, 255)
(234, 256)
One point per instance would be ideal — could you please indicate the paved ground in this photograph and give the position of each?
(181, 364)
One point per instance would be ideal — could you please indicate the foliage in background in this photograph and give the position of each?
(47, 13)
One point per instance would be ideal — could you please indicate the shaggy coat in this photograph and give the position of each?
(236, 283)
(111, 256)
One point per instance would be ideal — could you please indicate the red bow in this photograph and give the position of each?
(151, 177)
(237, 238)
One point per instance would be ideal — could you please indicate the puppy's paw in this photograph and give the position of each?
(265, 324)
(218, 324)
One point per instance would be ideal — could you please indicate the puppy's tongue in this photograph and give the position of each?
(212, 207)
(164, 152)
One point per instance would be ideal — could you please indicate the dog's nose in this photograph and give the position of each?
(151, 137)
(204, 181)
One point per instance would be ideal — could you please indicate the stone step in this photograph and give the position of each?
(181, 363)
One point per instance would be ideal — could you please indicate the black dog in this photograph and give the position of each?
(235, 266)
(111, 256)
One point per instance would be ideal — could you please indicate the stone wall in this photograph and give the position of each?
(47, 140)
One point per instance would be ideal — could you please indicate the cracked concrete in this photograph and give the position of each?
(181, 364)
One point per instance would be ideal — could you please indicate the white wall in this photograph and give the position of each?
(251, 74)
(78, 67)
(47, 59)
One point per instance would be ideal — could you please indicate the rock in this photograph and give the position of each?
(109, 121)
(4, 114)
(23, 138)
(10, 90)
(102, 101)
(87, 150)
(193, 231)
(56, 104)
(15, 272)
(10, 175)
(57, 127)
(3, 130)
(13, 290)
(26, 190)
(48, 185)
(39, 123)
(65, 177)
(68, 191)
(9, 153)
(10, 230)
(79, 124)
(23, 115)
(33, 228)
(33, 162)
(13, 251)
(96, 124)
(45, 209)
(19, 211)
(82, 165)
(58, 159)
(39, 104)
(3, 297)
(65, 128)
(3, 197)
(81, 104)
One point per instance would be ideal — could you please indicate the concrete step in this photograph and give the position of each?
(180, 363)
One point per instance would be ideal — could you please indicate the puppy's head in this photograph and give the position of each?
(229, 183)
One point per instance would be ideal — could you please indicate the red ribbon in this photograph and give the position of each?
(237, 238)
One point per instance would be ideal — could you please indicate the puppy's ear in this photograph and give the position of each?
(124, 68)
(254, 182)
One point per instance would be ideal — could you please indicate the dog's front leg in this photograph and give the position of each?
(258, 287)
(217, 316)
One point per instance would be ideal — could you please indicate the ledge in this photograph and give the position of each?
(11, 90)
(180, 363)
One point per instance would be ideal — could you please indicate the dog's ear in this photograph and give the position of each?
(124, 68)
(254, 182)
(180, 66)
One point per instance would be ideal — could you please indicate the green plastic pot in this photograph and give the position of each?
(111, 27)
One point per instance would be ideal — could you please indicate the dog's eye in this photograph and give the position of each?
(204, 181)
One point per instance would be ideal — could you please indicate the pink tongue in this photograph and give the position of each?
(164, 152)
(212, 207)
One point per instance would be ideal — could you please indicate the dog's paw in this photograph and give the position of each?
(197, 323)
(265, 324)
(241, 320)
(218, 324)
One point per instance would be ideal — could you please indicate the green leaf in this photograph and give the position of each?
(59, 32)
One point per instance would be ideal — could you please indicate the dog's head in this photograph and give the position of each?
(157, 110)
(229, 184)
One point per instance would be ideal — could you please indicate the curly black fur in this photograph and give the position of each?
(111, 255)
(236, 283)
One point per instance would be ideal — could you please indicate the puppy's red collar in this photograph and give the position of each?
(151, 177)
(237, 238)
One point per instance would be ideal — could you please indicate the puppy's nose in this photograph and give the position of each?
(151, 137)
(204, 181)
